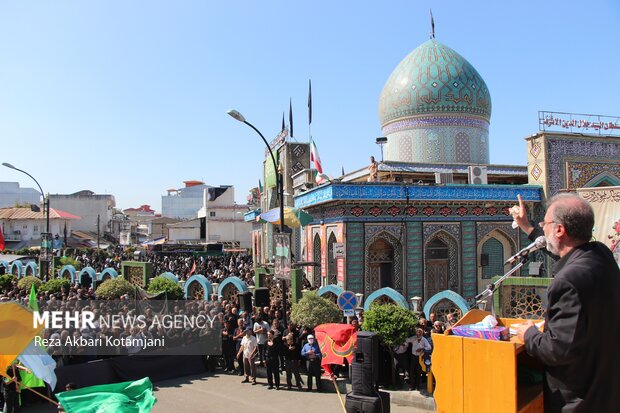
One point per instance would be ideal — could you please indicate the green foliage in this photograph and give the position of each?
(70, 261)
(173, 289)
(391, 322)
(6, 281)
(313, 310)
(114, 288)
(55, 285)
(27, 252)
(25, 283)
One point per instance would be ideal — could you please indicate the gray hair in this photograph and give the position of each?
(575, 214)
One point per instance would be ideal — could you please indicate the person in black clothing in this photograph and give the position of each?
(11, 390)
(577, 346)
(273, 348)
(292, 360)
(238, 334)
(228, 347)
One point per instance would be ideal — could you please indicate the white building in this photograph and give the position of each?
(11, 195)
(185, 232)
(21, 225)
(223, 218)
(88, 205)
(184, 203)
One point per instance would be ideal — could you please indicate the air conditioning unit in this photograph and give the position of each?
(477, 175)
(444, 177)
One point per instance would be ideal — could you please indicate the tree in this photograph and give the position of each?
(162, 284)
(6, 281)
(313, 310)
(25, 283)
(55, 285)
(114, 288)
(392, 323)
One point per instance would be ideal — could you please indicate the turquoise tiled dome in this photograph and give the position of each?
(435, 108)
(434, 79)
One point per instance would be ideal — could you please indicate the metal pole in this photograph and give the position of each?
(280, 191)
(46, 211)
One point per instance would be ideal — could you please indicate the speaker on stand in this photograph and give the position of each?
(261, 297)
(245, 301)
(365, 397)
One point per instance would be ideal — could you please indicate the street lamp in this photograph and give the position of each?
(45, 238)
(279, 188)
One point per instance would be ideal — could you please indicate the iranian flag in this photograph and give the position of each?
(314, 157)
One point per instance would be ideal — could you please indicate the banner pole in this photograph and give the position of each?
(338, 391)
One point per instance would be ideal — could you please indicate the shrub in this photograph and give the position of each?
(162, 284)
(392, 323)
(55, 285)
(313, 310)
(114, 288)
(25, 283)
(6, 281)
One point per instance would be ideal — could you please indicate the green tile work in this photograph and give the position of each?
(415, 261)
(355, 257)
(469, 259)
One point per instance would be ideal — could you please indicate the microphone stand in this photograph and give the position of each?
(493, 286)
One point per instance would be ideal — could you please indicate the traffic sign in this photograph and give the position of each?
(347, 301)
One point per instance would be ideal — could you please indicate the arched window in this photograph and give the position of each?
(316, 257)
(493, 257)
(332, 265)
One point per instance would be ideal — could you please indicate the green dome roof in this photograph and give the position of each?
(434, 79)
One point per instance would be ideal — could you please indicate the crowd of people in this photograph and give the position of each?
(183, 265)
(413, 356)
(262, 338)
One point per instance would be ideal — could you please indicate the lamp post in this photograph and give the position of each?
(45, 238)
(279, 188)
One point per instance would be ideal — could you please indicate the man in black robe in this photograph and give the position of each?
(579, 343)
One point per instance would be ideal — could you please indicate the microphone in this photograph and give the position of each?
(539, 243)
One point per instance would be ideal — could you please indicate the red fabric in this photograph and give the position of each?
(1, 241)
(193, 268)
(337, 342)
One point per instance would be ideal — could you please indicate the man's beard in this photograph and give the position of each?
(552, 246)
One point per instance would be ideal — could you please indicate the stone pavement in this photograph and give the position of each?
(223, 393)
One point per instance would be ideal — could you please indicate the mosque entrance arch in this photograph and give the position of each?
(332, 265)
(381, 264)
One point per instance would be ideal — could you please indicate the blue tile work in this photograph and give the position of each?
(415, 261)
(560, 149)
(355, 257)
(469, 259)
(399, 192)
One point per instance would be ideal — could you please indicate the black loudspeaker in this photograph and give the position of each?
(379, 403)
(261, 297)
(365, 366)
(245, 301)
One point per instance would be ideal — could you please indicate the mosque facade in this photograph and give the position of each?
(426, 225)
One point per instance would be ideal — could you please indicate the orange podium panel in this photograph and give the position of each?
(479, 376)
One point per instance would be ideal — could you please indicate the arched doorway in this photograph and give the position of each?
(381, 264)
(332, 265)
(437, 265)
(316, 257)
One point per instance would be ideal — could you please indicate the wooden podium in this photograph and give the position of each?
(476, 375)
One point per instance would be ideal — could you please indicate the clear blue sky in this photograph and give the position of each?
(130, 97)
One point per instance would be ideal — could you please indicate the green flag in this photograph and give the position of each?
(30, 380)
(32, 300)
(127, 397)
